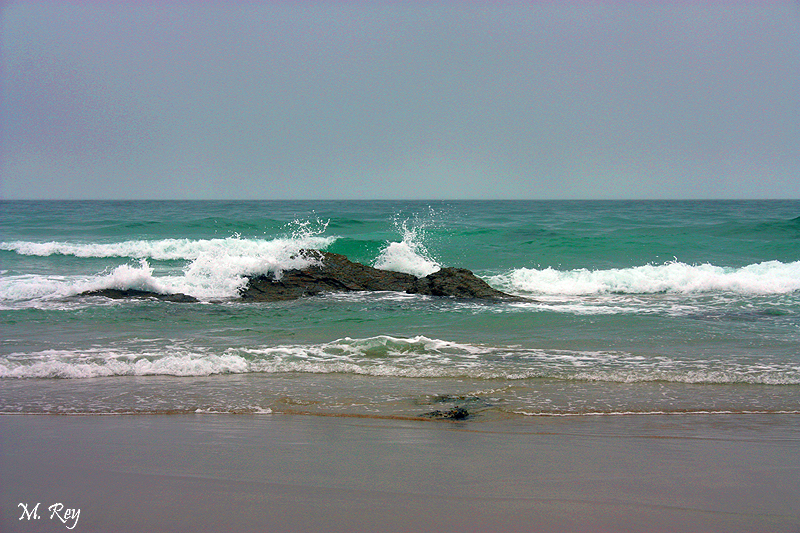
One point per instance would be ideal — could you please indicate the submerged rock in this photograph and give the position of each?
(120, 294)
(456, 413)
(335, 273)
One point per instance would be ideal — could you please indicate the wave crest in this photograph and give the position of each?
(771, 277)
(216, 268)
(413, 357)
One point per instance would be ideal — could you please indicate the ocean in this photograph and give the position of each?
(636, 308)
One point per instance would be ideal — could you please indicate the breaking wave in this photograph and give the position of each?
(214, 268)
(771, 277)
(412, 357)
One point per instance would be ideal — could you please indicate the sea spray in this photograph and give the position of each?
(221, 273)
(410, 255)
(128, 277)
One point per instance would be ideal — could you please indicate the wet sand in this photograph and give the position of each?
(195, 473)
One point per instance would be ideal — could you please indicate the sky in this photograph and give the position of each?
(399, 100)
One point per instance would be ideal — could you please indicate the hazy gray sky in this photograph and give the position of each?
(283, 100)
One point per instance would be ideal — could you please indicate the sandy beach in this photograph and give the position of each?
(726, 473)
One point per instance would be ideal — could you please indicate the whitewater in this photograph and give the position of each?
(217, 268)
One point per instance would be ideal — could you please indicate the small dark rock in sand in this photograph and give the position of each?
(336, 273)
(119, 294)
(456, 413)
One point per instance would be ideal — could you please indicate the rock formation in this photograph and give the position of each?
(119, 294)
(336, 273)
(458, 283)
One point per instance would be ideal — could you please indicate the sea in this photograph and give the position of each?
(633, 308)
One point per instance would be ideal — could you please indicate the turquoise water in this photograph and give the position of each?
(636, 307)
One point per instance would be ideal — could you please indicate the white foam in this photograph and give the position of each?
(771, 277)
(409, 255)
(31, 286)
(94, 363)
(35, 287)
(127, 277)
(165, 249)
(412, 357)
(28, 288)
(216, 268)
(680, 412)
(220, 275)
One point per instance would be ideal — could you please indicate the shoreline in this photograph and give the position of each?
(391, 397)
(513, 417)
(279, 472)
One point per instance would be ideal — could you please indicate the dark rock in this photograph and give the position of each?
(456, 413)
(336, 273)
(120, 294)
(457, 283)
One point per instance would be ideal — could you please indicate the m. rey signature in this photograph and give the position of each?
(57, 511)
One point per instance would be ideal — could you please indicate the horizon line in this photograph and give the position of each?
(397, 199)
